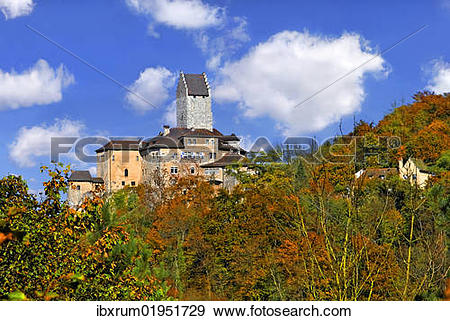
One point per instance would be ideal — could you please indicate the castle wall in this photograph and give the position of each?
(411, 172)
(78, 191)
(111, 166)
(194, 112)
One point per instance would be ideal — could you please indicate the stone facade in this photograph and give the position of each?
(184, 151)
(194, 103)
(119, 164)
(415, 171)
(81, 185)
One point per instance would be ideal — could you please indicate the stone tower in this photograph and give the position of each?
(194, 102)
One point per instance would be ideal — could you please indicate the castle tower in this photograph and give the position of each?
(194, 102)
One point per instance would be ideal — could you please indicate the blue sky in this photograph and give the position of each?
(260, 57)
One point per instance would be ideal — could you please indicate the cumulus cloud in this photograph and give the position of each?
(16, 8)
(440, 77)
(170, 115)
(179, 14)
(33, 142)
(39, 85)
(214, 32)
(222, 44)
(274, 76)
(153, 85)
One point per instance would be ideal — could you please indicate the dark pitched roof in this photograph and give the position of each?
(226, 160)
(196, 85)
(225, 146)
(230, 138)
(84, 176)
(80, 176)
(120, 145)
(379, 172)
(162, 142)
(178, 132)
(174, 139)
(97, 180)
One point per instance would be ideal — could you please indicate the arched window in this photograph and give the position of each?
(126, 172)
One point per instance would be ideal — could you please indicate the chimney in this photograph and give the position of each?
(166, 130)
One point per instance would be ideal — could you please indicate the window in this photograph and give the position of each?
(137, 158)
(194, 141)
(78, 187)
(189, 141)
(382, 176)
(174, 170)
(211, 171)
(113, 158)
(192, 170)
(212, 155)
(126, 172)
(174, 156)
(133, 183)
(414, 176)
(123, 183)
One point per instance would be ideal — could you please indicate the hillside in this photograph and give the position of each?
(288, 231)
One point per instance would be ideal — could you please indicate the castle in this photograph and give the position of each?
(194, 147)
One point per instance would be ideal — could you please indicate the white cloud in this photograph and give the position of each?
(179, 14)
(39, 85)
(33, 142)
(440, 77)
(16, 8)
(197, 16)
(153, 85)
(222, 44)
(170, 116)
(291, 66)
